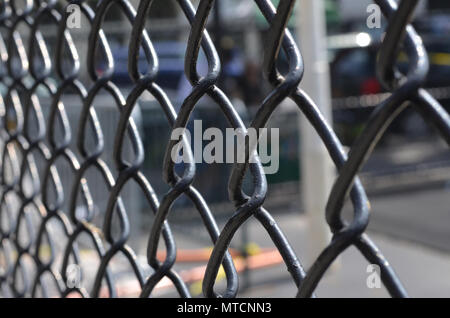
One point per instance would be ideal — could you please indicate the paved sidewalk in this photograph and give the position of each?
(411, 230)
(424, 272)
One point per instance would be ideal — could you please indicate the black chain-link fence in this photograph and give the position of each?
(43, 222)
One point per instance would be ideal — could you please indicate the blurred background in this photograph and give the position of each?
(407, 177)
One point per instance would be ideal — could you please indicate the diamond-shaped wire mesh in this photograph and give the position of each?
(40, 152)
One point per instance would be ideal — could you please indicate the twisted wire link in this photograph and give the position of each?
(89, 158)
(44, 11)
(35, 140)
(25, 108)
(13, 147)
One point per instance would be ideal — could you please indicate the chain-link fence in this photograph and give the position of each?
(65, 180)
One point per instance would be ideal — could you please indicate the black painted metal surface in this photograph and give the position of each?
(29, 136)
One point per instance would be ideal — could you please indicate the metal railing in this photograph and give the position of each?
(34, 142)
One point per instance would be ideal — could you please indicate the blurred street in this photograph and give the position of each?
(412, 230)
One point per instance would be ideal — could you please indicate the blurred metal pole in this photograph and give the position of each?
(218, 34)
(316, 167)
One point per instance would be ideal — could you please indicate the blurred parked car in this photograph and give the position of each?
(353, 73)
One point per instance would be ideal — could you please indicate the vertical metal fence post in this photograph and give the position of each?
(316, 167)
